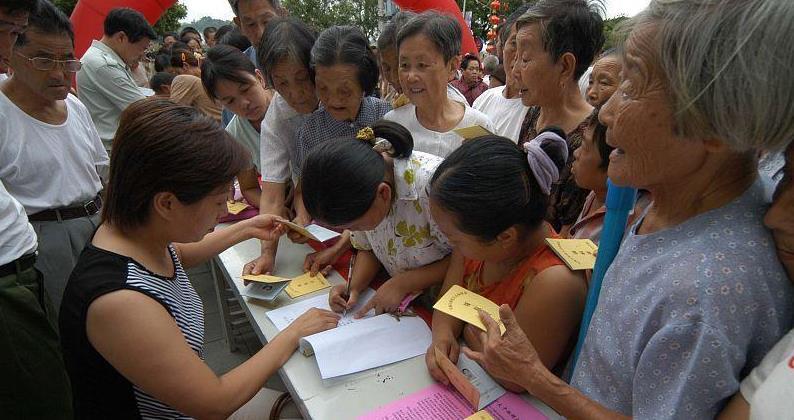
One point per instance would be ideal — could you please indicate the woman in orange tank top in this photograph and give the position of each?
(489, 197)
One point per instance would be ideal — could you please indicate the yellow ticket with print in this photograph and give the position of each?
(480, 415)
(305, 284)
(578, 254)
(262, 278)
(463, 304)
(236, 207)
(472, 132)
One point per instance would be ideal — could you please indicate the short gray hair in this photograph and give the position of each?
(490, 63)
(388, 36)
(284, 38)
(442, 30)
(347, 45)
(727, 65)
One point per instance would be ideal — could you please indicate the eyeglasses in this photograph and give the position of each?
(48, 64)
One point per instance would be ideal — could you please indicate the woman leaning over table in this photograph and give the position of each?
(557, 40)
(132, 326)
(429, 46)
(696, 295)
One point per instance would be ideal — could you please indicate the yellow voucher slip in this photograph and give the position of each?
(578, 254)
(262, 278)
(463, 304)
(472, 132)
(480, 415)
(236, 207)
(306, 284)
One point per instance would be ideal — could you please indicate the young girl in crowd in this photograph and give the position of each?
(230, 78)
(131, 324)
(489, 198)
(384, 202)
(186, 88)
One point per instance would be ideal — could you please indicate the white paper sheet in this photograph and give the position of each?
(264, 291)
(320, 233)
(284, 316)
(490, 391)
(369, 343)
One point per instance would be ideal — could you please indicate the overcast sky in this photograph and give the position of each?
(220, 9)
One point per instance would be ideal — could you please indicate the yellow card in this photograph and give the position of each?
(235, 207)
(458, 379)
(306, 284)
(463, 304)
(578, 254)
(480, 415)
(472, 132)
(261, 278)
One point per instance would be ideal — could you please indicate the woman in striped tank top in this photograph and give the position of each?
(132, 326)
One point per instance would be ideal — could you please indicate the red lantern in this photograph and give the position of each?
(492, 34)
(494, 20)
(495, 5)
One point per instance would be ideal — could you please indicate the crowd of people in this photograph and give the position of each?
(110, 189)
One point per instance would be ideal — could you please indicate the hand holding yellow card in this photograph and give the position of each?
(305, 284)
(262, 278)
(463, 304)
(578, 254)
(236, 207)
(480, 415)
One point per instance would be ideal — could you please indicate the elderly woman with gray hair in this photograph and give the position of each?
(696, 296)
(428, 47)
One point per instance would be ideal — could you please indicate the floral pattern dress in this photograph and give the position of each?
(407, 238)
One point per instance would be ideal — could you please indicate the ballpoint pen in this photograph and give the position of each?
(349, 280)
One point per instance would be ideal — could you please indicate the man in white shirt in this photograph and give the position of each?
(105, 83)
(51, 156)
(33, 380)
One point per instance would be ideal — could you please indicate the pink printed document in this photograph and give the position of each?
(440, 403)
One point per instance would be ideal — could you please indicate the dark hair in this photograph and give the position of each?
(162, 61)
(181, 54)
(172, 34)
(209, 30)
(504, 29)
(441, 29)
(160, 79)
(388, 36)
(285, 38)
(224, 62)
(49, 20)
(499, 74)
(189, 30)
(599, 138)
(568, 26)
(468, 58)
(223, 30)
(235, 4)
(347, 45)
(11, 6)
(489, 187)
(235, 38)
(338, 203)
(161, 146)
(129, 21)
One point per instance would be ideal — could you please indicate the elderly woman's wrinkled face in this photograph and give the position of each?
(294, 83)
(604, 80)
(339, 90)
(390, 66)
(423, 72)
(639, 119)
(509, 53)
(780, 217)
(535, 70)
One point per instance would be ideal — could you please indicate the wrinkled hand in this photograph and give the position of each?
(322, 261)
(264, 227)
(504, 356)
(315, 320)
(447, 345)
(296, 237)
(337, 300)
(386, 299)
(472, 336)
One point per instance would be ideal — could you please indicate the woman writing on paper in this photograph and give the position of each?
(489, 198)
(132, 326)
(383, 201)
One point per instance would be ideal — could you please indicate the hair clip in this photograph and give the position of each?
(366, 134)
(184, 57)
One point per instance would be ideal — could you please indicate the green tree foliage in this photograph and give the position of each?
(168, 22)
(204, 23)
(322, 14)
(610, 34)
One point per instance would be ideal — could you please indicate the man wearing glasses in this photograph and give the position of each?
(33, 380)
(51, 156)
(105, 83)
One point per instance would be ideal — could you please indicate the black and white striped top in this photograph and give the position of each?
(101, 392)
